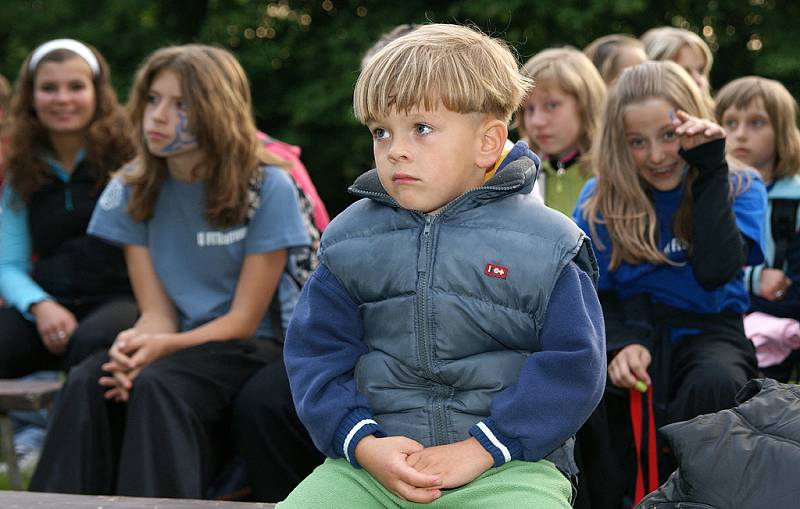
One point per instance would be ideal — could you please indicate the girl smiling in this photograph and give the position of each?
(672, 226)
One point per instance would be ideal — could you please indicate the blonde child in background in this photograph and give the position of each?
(386, 38)
(760, 118)
(685, 48)
(611, 54)
(559, 119)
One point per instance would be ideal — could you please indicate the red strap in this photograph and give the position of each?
(635, 398)
(652, 451)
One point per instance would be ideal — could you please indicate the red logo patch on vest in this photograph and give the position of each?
(494, 270)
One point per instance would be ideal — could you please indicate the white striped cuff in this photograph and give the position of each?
(360, 424)
(495, 442)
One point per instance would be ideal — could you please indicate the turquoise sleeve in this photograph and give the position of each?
(16, 286)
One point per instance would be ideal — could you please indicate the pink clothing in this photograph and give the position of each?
(300, 175)
(774, 338)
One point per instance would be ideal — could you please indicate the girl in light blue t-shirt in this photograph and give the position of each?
(206, 226)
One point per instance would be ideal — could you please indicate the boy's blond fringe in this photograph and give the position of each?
(460, 68)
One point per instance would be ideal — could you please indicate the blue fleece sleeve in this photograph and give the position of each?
(323, 343)
(16, 285)
(559, 386)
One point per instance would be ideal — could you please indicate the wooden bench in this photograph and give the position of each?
(27, 500)
(20, 395)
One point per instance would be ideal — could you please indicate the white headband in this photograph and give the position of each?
(72, 45)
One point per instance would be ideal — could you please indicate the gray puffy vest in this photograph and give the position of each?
(452, 304)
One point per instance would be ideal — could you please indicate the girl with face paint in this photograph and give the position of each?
(206, 219)
(68, 293)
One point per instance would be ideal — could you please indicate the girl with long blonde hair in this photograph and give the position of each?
(613, 53)
(673, 225)
(686, 49)
(206, 224)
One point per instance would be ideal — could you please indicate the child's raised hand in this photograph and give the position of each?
(693, 131)
(630, 366)
(457, 464)
(385, 458)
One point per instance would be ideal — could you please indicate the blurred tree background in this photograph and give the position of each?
(303, 56)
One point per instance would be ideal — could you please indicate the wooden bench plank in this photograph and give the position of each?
(27, 500)
(27, 394)
(20, 395)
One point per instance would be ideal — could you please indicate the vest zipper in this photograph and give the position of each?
(423, 268)
(424, 341)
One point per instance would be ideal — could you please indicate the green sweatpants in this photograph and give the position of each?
(337, 484)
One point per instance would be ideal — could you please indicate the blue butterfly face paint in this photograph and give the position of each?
(184, 138)
(166, 123)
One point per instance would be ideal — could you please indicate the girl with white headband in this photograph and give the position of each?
(67, 293)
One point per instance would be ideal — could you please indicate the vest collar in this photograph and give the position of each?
(514, 175)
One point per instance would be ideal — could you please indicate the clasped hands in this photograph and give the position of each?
(417, 473)
(131, 352)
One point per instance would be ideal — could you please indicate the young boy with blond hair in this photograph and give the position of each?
(451, 342)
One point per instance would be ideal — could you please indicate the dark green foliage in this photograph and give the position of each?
(303, 56)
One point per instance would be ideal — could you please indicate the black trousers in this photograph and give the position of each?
(98, 325)
(169, 440)
(276, 447)
(706, 372)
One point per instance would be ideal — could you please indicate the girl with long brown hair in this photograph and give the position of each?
(206, 220)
